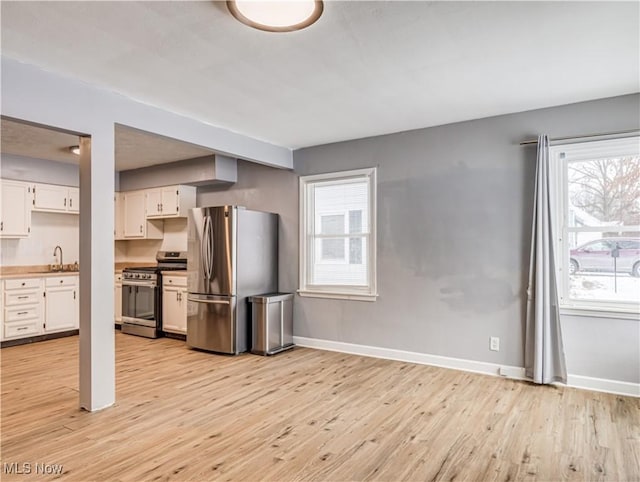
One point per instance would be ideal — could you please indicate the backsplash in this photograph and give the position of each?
(144, 250)
(47, 231)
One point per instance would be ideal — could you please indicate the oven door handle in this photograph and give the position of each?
(137, 285)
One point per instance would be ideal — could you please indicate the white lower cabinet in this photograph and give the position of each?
(117, 298)
(61, 304)
(39, 305)
(22, 308)
(174, 304)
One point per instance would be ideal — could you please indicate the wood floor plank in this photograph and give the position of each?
(305, 415)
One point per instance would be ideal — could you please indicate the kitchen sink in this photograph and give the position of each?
(64, 268)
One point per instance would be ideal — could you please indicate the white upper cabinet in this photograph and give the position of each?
(136, 225)
(134, 214)
(74, 200)
(119, 216)
(57, 199)
(170, 201)
(154, 202)
(17, 198)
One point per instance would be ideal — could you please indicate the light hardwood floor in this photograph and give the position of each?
(304, 415)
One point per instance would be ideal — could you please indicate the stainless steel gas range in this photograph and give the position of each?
(142, 294)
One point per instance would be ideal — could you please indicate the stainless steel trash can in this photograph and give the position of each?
(272, 323)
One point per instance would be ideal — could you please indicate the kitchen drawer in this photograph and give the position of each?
(20, 313)
(61, 281)
(18, 284)
(180, 281)
(22, 297)
(18, 330)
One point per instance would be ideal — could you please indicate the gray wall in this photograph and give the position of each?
(20, 168)
(265, 189)
(454, 225)
(602, 348)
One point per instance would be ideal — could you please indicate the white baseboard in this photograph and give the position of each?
(413, 357)
(517, 373)
(604, 385)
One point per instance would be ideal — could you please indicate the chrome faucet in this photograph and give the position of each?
(54, 253)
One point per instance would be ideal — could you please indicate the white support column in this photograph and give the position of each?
(97, 339)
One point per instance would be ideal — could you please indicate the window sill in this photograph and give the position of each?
(592, 312)
(337, 296)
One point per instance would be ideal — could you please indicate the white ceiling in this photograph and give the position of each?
(133, 148)
(366, 68)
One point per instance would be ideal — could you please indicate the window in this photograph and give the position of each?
(337, 235)
(597, 224)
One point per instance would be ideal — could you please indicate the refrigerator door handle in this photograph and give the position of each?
(203, 250)
(206, 249)
(212, 302)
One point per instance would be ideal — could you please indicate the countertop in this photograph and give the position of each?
(42, 271)
(47, 274)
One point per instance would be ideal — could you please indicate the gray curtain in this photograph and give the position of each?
(544, 352)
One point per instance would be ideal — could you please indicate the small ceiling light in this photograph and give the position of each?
(75, 150)
(283, 16)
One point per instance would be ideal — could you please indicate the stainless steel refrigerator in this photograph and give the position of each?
(232, 255)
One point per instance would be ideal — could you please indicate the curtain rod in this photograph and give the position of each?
(586, 136)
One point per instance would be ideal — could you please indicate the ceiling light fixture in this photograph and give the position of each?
(75, 150)
(282, 16)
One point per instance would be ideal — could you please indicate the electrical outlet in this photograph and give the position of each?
(494, 343)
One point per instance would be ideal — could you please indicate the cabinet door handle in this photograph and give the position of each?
(161, 207)
(65, 202)
(20, 313)
(23, 328)
(23, 297)
(1, 225)
(61, 281)
(158, 207)
(141, 228)
(70, 202)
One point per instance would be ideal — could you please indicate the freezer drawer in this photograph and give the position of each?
(211, 323)
(272, 323)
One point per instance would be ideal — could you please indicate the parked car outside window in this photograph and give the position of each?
(598, 255)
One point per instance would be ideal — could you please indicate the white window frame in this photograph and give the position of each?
(560, 155)
(307, 236)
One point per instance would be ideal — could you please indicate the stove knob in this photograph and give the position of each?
(147, 276)
(137, 275)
